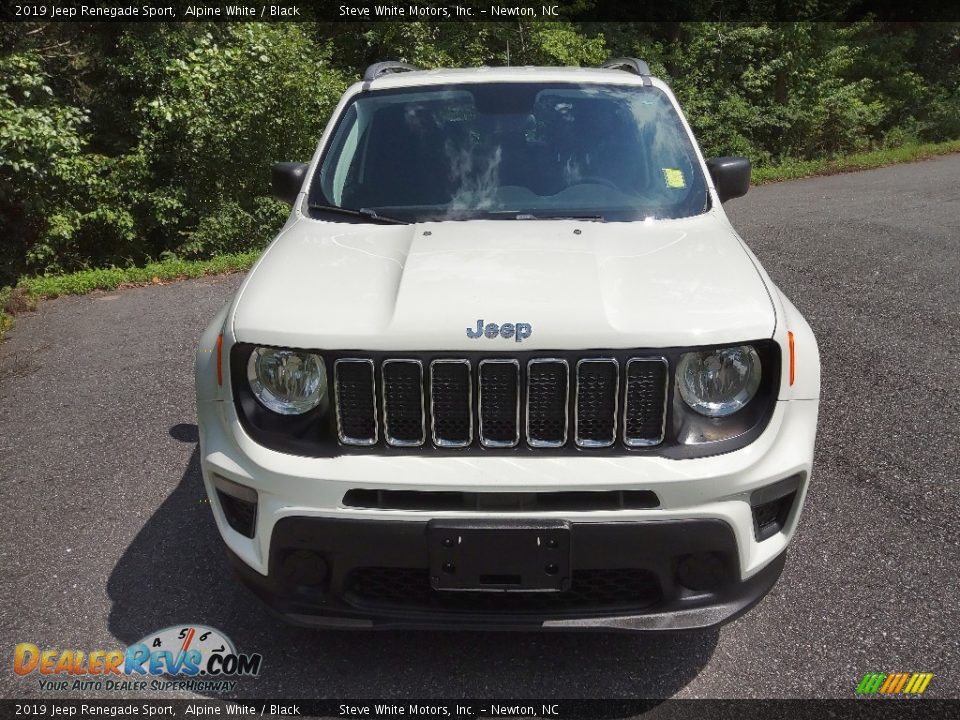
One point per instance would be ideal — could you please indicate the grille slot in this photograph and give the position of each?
(645, 402)
(499, 401)
(598, 385)
(548, 395)
(449, 500)
(403, 416)
(451, 403)
(353, 381)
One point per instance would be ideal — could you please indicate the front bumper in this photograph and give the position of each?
(704, 507)
(625, 576)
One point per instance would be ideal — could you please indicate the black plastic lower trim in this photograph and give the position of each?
(453, 501)
(624, 576)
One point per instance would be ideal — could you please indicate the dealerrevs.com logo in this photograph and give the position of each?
(199, 658)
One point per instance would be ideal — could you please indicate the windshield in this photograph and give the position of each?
(511, 151)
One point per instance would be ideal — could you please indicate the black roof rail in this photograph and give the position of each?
(385, 68)
(633, 65)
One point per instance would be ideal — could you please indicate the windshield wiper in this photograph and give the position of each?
(529, 216)
(365, 213)
(518, 215)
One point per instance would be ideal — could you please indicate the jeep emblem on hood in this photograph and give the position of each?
(520, 331)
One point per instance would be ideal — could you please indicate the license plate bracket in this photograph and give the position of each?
(499, 556)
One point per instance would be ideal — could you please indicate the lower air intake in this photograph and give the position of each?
(590, 590)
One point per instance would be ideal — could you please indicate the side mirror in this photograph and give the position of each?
(286, 179)
(731, 176)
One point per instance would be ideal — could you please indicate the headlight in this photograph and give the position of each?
(717, 383)
(288, 382)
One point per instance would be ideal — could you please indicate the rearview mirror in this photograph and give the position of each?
(731, 176)
(286, 179)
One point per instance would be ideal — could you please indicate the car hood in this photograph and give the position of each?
(576, 284)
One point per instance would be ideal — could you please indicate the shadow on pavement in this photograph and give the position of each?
(185, 432)
(175, 572)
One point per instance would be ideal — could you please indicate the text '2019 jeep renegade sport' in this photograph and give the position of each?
(508, 365)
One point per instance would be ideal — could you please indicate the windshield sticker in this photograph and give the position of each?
(674, 178)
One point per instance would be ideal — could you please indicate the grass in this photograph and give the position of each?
(84, 281)
(6, 319)
(29, 291)
(793, 169)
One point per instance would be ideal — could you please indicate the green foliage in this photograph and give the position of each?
(121, 144)
(175, 164)
(38, 133)
(154, 273)
(35, 129)
(6, 318)
(778, 92)
(30, 290)
(231, 229)
(229, 108)
(770, 91)
(468, 44)
(908, 152)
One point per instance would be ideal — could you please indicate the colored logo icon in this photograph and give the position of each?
(894, 683)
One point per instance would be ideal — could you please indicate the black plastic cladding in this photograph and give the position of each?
(598, 590)
(657, 546)
(314, 434)
(240, 514)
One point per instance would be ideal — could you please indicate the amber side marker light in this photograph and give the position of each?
(793, 361)
(220, 359)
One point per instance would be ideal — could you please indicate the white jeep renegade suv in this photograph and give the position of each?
(508, 365)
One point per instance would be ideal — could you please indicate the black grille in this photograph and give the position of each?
(451, 403)
(549, 402)
(646, 397)
(547, 397)
(591, 590)
(356, 401)
(403, 416)
(433, 500)
(499, 402)
(597, 389)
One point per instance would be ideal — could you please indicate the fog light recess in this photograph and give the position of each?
(771, 506)
(239, 505)
(304, 568)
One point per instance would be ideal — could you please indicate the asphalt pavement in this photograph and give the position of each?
(105, 533)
